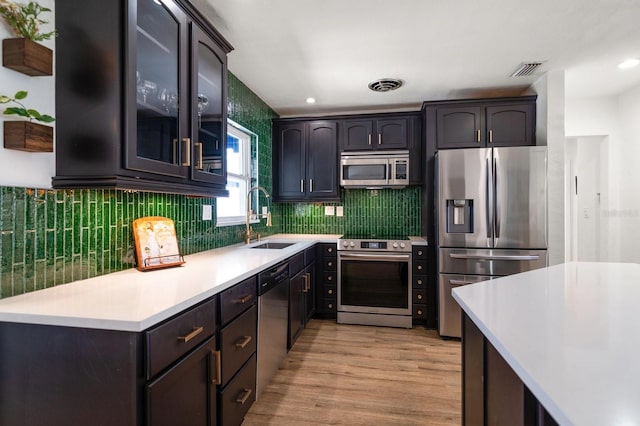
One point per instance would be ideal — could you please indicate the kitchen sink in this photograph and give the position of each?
(272, 245)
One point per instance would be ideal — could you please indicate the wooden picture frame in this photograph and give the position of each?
(156, 243)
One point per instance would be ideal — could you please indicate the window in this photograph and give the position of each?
(232, 210)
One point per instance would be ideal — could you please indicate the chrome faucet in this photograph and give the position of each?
(248, 232)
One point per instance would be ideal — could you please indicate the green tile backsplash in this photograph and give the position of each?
(50, 237)
(378, 212)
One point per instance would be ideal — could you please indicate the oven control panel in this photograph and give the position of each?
(374, 245)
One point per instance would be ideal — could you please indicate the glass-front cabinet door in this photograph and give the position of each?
(157, 135)
(209, 123)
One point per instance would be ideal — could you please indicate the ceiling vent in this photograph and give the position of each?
(385, 84)
(525, 69)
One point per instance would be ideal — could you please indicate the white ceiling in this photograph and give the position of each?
(288, 50)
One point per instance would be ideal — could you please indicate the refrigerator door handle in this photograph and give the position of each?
(488, 204)
(496, 198)
(482, 257)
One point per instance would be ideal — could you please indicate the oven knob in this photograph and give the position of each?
(402, 245)
(345, 244)
(352, 244)
(395, 245)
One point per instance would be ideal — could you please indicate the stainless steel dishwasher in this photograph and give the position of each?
(273, 311)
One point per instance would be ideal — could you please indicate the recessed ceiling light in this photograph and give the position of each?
(311, 100)
(629, 63)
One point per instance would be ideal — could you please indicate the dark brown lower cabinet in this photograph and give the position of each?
(492, 393)
(236, 398)
(186, 393)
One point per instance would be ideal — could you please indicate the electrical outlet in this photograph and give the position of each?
(329, 210)
(339, 211)
(207, 212)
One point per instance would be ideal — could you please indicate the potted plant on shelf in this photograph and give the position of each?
(24, 54)
(25, 135)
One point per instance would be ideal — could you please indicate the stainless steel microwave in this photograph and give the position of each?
(383, 169)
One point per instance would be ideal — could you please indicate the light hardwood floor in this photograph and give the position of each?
(359, 375)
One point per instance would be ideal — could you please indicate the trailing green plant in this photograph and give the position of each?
(21, 110)
(23, 19)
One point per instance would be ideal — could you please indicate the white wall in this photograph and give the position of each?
(550, 132)
(27, 169)
(617, 119)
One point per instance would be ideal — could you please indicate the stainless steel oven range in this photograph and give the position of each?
(374, 281)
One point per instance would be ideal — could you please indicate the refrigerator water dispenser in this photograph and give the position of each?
(460, 216)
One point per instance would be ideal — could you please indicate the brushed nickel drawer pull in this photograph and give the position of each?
(194, 333)
(246, 393)
(215, 367)
(478, 135)
(244, 342)
(305, 286)
(245, 299)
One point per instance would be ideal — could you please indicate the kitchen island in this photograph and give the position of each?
(557, 344)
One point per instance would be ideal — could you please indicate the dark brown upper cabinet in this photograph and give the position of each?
(140, 97)
(305, 160)
(484, 123)
(372, 134)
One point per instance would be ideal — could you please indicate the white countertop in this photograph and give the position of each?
(572, 334)
(132, 300)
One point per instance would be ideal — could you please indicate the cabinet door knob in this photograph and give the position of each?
(419, 282)
(330, 291)
(419, 297)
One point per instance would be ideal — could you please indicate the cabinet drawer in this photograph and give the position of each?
(330, 305)
(330, 264)
(420, 296)
(419, 282)
(419, 252)
(330, 278)
(419, 267)
(236, 299)
(171, 340)
(238, 343)
(420, 312)
(239, 395)
(329, 249)
(330, 291)
(296, 264)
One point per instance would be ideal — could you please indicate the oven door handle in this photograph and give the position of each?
(382, 257)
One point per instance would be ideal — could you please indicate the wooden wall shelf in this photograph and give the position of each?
(27, 57)
(28, 136)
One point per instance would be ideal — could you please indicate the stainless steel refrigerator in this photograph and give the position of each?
(492, 219)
